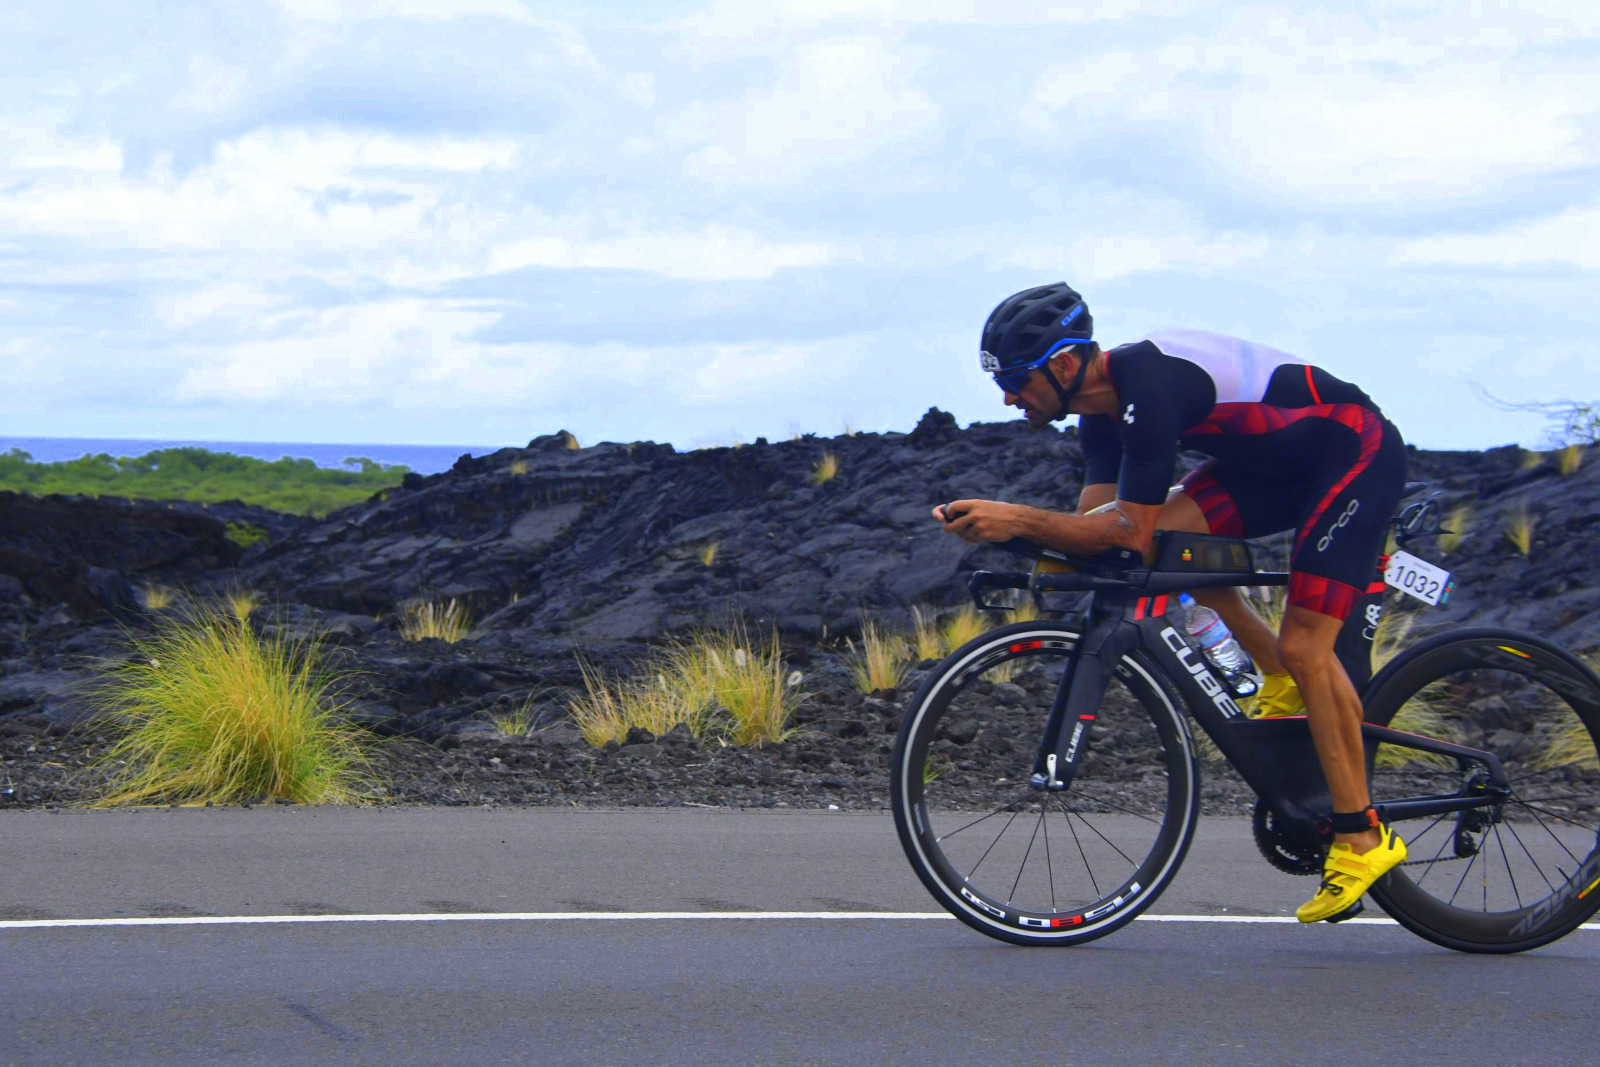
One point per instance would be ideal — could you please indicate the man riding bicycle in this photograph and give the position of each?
(1292, 447)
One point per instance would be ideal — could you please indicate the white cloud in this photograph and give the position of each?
(1570, 239)
(424, 354)
(835, 102)
(419, 10)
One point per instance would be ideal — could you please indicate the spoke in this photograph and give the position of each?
(1098, 834)
(1049, 865)
(1429, 868)
(1556, 815)
(1004, 807)
(1112, 804)
(1535, 811)
(1463, 881)
(993, 843)
(1513, 828)
(1084, 855)
(1025, 854)
(1507, 861)
(1561, 796)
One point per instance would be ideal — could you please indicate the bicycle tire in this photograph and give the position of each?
(1537, 707)
(1142, 734)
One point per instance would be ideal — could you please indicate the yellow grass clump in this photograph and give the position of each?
(825, 470)
(1457, 523)
(241, 602)
(1569, 459)
(925, 638)
(961, 626)
(518, 466)
(156, 597)
(718, 681)
(448, 622)
(208, 711)
(1529, 460)
(571, 439)
(707, 553)
(882, 660)
(1519, 526)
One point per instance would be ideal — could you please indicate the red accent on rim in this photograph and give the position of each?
(1027, 646)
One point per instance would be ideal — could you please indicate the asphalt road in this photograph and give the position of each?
(692, 990)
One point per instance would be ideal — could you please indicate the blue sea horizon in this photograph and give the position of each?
(424, 459)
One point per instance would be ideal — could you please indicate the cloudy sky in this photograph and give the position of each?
(475, 221)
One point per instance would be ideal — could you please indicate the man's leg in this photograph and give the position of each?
(1333, 711)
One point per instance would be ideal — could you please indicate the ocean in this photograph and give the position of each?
(424, 459)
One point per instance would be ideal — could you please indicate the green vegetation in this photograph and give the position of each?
(244, 535)
(1456, 525)
(446, 622)
(1569, 458)
(882, 660)
(717, 683)
(292, 485)
(826, 470)
(208, 711)
(1519, 526)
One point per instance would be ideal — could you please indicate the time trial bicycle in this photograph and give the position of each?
(1046, 782)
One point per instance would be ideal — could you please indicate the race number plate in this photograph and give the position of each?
(1419, 578)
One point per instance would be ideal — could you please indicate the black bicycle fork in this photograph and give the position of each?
(1109, 635)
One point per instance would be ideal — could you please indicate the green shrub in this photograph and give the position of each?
(292, 485)
(208, 711)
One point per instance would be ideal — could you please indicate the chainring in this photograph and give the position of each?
(1281, 850)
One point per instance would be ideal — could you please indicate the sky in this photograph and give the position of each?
(478, 221)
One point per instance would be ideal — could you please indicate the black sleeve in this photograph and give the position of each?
(1102, 449)
(1157, 397)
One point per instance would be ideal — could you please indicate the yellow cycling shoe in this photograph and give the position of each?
(1279, 696)
(1347, 875)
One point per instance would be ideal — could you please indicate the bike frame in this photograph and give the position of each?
(1128, 614)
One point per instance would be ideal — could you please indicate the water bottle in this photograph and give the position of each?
(1219, 645)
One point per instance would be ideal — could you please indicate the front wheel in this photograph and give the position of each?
(1526, 871)
(1023, 865)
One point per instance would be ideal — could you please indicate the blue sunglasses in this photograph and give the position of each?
(1015, 379)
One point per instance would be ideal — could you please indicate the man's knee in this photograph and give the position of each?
(1182, 513)
(1307, 645)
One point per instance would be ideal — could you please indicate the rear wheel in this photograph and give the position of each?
(1023, 865)
(1527, 871)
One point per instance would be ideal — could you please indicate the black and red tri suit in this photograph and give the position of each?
(1292, 447)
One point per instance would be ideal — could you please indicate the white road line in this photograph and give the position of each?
(606, 916)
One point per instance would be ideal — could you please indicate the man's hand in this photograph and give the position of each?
(977, 521)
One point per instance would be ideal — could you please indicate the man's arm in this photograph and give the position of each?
(1123, 524)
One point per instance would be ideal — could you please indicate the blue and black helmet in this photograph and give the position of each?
(1029, 327)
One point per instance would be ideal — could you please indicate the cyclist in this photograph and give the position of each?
(1292, 447)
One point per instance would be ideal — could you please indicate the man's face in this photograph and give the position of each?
(1037, 400)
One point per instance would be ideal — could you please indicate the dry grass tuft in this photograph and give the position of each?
(571, 439)
(157, 597)
(881, 662)
(518, 466)
(445, 622)
(707, 553)
(1457, 524)
(962, 626)
(1529, 460)
(207, 711)
(1569, 459)
(241, 602)
(518, 719)
(925, 639)
(1519, 526)
(825, 470)
(717, 681)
